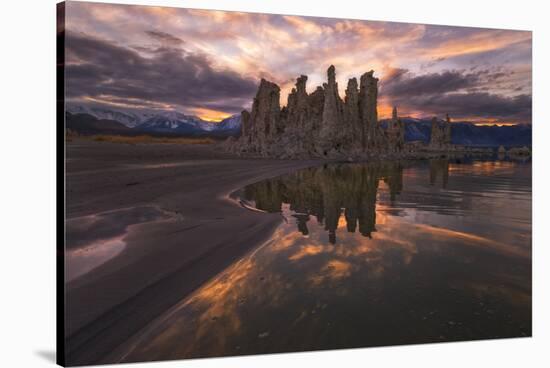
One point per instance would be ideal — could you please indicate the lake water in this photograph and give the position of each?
(368, 255)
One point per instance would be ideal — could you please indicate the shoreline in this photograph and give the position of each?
(163, 262)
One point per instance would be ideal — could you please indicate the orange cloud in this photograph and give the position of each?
(281, 47)
(482, 41)
(306, 26)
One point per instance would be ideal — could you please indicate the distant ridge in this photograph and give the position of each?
(87, 124)
(469, 134)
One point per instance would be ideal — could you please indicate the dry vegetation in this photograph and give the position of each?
(141, 139)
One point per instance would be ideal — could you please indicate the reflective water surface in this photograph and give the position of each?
(368, 255)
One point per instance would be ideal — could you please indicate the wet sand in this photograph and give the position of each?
(165, 260)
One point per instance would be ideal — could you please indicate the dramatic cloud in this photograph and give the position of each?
(209, 62)
(100, 71)
(461, 94)
(165, 37)
(476, 105)
(401, 83)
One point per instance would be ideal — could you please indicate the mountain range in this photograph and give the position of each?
(469, 134)
(96, 120)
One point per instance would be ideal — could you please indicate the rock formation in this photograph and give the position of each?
(368, 95)
(330, 136)
(265, 116)
(245, 124)
(519, 151)
(440, 138)
(435, 133)
(395, 133)
(321, 124)
(301, 118)
(447, 131)
(352, 118)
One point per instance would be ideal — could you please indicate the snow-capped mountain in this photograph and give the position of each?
(162, 121)
(231, 123)
(130, 119)
(175, 121)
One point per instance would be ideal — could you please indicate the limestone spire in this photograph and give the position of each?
(368, 94)
(447, 138)
(331, 74)
(331, 125)
(301, 83)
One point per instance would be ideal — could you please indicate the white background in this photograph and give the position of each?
(27, 180)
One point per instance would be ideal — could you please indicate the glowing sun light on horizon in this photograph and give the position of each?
(210, 115)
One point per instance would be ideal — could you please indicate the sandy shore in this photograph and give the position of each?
(163, 261)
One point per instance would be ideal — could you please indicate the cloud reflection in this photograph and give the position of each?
(403, 273)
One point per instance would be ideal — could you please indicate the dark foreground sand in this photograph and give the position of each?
(163, 261)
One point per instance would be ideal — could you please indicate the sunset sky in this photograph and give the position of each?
(209, 63)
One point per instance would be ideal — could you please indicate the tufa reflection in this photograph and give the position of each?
(330, 192)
